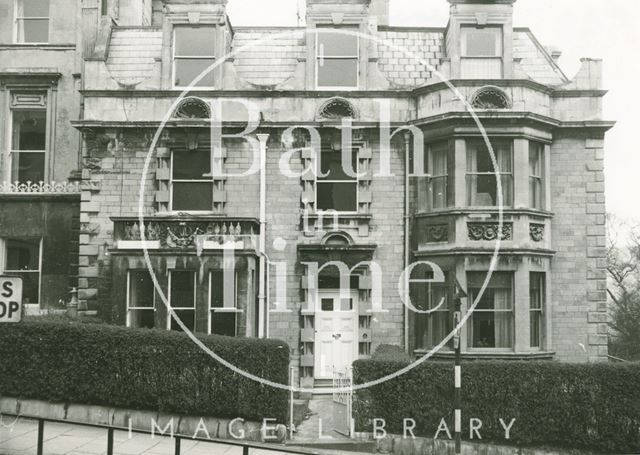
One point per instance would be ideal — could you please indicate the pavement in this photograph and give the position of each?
(20, 437)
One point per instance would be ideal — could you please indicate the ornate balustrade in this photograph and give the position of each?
(39, 188)
(474, 229)
(186, 233)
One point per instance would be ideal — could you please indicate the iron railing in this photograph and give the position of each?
(247, 447)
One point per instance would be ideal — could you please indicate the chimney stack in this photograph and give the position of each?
(380, 9)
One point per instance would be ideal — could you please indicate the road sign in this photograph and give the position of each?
(10, 299)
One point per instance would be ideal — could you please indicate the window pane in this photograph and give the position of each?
(142, 319)
(492, 330)
(192, 196)
(187, 69)
(535, 193)
(482, 42)
(534, 330)
(182, 289)
(35, 8)
(326, 304)
(187, 317)
(23, 254)
(438, 190)
(341, 197)
(223, 323)
(29, 130)
(337, 72)
(27, 167)
(195, 41)
(331, 165)
(192, 165)
(337, 45)
(222, 286)
(141, 289)
(33, 30)
(30, 286)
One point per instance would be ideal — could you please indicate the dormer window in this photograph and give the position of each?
(481, 56)
(193, 52)
(337, 59)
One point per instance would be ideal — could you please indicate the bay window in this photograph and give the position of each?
(438, 180)
(536, 169)
(193, 52)
(491, 324)
(431, 328)
(336, 185)
(337, 57)
(140, 300)
(481, 56)
(191, 181)
(182, 298)
(32, 21)
(223, 306)
(482, 189)
(536, 308)
(28, 137)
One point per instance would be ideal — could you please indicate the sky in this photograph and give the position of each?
(607, 29)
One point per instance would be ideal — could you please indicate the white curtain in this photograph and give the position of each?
(505, 166)
(472, 180)
(502, 319)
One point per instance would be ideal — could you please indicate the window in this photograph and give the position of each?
(32, 21)
(536, 166)
(191, 181)
(223, 305)
(437, 168)
(432, 328)
(491, 324)
(23, 259)
(182, 298)
(337, 59)
(335, 188)
(193, 52)
(482, 189)
(28, 137)
(536, 308)
(140, 300)
(481, 52)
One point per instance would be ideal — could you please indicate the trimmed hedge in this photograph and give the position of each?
(588, 406)
(142, 369)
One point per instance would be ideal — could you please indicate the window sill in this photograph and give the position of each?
(491, 355)
(484, 211)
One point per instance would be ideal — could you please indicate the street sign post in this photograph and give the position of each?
(10, 299)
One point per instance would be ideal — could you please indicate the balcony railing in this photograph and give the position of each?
(39, 188)
(197, 234)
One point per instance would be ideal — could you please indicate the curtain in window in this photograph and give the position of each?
(19, 24)
(505, 165)
(472, 179)
(502, 301)
(439, 178)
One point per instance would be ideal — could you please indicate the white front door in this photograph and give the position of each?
(336, 343)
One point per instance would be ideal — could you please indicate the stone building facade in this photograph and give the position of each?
(40, 66)
(232, 238)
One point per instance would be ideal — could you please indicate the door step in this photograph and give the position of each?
(322, 386)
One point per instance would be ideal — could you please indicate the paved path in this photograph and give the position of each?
(321, 420)
(21, 437)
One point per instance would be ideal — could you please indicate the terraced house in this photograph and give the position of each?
(232, 238)
(40, 65)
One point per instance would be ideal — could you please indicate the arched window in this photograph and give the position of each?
(337, 108)
(192, 108)
(337, 239)
(490, 98)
